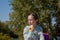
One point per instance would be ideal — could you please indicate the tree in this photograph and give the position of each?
(6, 33)
(44, 8)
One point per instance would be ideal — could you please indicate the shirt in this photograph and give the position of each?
(37, 34)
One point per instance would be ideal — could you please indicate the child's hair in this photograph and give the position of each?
(34, 15)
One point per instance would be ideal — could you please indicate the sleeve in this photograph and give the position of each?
(27, 34)
(41, 36)
(40, 33)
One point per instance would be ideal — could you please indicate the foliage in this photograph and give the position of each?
(6, 33)
(46, 10)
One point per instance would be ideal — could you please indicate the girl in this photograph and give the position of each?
(33, 31)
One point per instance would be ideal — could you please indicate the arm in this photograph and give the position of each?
(40, 33)
(41, 36)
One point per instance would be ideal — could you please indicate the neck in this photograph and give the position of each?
(35, 25)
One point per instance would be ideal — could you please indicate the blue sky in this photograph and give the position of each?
(5, 9)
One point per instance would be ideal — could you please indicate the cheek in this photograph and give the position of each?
(34, 22)
(31, 21)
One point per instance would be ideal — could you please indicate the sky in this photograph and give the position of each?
(5, 9)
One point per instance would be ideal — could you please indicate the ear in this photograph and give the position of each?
(37, 20)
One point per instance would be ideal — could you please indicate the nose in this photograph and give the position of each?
(30, 22)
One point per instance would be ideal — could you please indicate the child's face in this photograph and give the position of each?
(31, 20)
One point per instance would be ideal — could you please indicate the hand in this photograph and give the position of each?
(31, 29)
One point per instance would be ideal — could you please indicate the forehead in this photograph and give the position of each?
(30, 17)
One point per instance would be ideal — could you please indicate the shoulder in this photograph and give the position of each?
(39, 28)
(26, 28)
